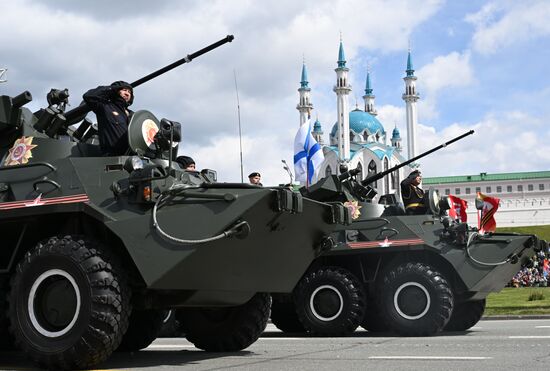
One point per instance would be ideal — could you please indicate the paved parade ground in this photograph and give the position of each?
(491, 345)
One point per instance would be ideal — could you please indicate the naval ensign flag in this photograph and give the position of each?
(308, 154)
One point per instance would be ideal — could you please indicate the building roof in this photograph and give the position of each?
(484, 177)
(359, 121)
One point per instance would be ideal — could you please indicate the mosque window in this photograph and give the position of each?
(371, 170)
(328, 171)
(509, 188)
(468, 190)
(499, 189)
(457, 191)
(360, 174)
(541, 187)
(530, 187)
(488, 189)
(394, 176)
(520, 188)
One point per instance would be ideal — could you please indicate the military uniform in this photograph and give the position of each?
(413, 195)
(113, 117)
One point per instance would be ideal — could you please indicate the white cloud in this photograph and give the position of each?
(502, 142)
(445, 71)
(502, 24)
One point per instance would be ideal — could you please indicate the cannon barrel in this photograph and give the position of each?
(77, 114)
(378, 176)
(20, 100)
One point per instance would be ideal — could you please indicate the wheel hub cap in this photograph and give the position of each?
(411, 300)
(326, 303)
(54, 303)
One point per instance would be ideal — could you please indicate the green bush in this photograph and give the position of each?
(536, 295)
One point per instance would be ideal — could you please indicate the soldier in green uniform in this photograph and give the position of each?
(413, 195)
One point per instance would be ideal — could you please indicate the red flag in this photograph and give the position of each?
(458, 208)
(488, 206)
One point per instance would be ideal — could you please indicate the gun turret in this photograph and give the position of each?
(77, 114)
(378, 176)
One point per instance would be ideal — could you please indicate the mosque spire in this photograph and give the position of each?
(304, 105)
(368, 98)
(410, 69)
(341, 56)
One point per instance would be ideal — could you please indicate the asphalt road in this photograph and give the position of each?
(490, 345)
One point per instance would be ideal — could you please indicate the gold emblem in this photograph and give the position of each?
(353, 207)
(20, 152)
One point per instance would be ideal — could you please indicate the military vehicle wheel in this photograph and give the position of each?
(144, 327)
(373, 320)
(67, 303)
(415, 299)
(466, 315)
(284, 316)
(226, 329)
(6, 339)
(330, 302)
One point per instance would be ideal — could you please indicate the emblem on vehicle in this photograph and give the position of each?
(353, 207)
(20, 152)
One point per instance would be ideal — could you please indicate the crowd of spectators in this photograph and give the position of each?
(534, 275)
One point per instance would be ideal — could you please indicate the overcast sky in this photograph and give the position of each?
(481, 65)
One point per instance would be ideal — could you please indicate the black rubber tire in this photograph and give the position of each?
(330, 302)
(170, 325)
(465, 315)
(80, 274)
(374, 320)
(415, 299)
(144, 327)
(6, 338)
(284, 316)
(226, 329)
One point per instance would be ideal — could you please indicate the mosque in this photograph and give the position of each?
(358, 138)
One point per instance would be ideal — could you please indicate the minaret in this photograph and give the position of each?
(305, 106)
(369, 97)
(342, 90)
(410, 97)
(396, 139)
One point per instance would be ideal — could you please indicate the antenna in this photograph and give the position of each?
(240, 133)
(3, 75)
(288, 171)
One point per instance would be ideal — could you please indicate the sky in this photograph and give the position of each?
(480, 65)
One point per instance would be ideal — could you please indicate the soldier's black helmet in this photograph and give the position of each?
(117, 85)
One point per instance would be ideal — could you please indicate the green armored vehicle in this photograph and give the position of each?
(95, 249)
(414, 275)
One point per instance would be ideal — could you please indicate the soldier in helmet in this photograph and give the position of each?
(110, 105)
(413, 195)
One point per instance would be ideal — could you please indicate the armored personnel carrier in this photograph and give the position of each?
(414, 275)
(95, 248)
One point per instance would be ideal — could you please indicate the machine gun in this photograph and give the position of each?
(57, 121)
(346, 186)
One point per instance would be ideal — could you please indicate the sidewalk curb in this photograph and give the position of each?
(526, 316)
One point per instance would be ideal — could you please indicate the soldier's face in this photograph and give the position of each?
(255, 179)
(417, 180)
(126, 94)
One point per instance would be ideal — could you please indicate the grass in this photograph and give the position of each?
(515, 301)
(542, 231)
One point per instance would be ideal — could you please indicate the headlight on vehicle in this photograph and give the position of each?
(133, 163)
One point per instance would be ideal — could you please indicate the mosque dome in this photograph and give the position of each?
(361, 123)
(317, 127)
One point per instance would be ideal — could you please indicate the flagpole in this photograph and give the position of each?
(239, 117)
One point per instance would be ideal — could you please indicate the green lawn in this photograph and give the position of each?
(514, 301)
(542, 231)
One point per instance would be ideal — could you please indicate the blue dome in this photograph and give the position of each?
(317, 127)
(395, 133)
(359, 121)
